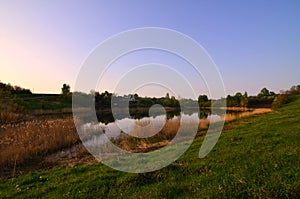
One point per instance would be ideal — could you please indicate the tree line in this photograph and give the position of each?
(11, 98)
(103, 100)
(264, 99)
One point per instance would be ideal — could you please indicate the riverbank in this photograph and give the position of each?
(50, 139)
(257, 158)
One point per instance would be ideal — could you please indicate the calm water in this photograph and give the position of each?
(142, 125)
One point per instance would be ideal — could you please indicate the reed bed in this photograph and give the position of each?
(9, 117)
(231, 117)
(23, 142)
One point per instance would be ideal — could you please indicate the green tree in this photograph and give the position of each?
(203, 101)
(244, 102)
(295, 90)
(174, 102)
(167, 96)
(167, 100)
(202, 98)
(264, 93)
(65, 90)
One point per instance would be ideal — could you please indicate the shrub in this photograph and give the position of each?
(279, 101)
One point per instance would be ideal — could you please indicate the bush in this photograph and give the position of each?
(280, 100)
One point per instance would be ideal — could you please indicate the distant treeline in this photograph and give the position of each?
(264, 99)
(17, 99)
(11, 106)
(13, 89)
(9, 100)
(16, 103)
(104, 100)
(283, 97)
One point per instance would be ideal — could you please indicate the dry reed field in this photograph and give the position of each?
(23, 142)
(7, 117)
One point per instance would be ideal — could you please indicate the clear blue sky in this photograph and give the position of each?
(255, 44)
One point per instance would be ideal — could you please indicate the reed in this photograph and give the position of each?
(20, 143)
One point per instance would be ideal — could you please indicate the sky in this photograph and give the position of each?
(254, 44)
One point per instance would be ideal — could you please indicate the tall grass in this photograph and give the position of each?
(21, 143)
(9, 117)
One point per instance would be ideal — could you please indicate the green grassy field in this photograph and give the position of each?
(45, 102)
(259, 157)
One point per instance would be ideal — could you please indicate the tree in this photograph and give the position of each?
(244, 102)
(202, 98)
(92, 92)
(65, 90)
(235, 101)
(167, 96)
(203, 101)
(280, 100)
(264, 93)
(174, 102)
(295, 90)
(167, 100)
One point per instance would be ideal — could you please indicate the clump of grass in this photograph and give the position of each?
(22, 142)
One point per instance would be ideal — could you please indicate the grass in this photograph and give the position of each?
(258, 158)
(24, 106)
(45, 102)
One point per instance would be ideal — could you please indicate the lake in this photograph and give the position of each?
(140, 127)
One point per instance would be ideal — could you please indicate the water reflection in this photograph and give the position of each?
(107, 117)
(141, 125)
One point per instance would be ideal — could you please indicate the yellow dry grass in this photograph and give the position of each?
(24, 141)
(204, 123)
(230, 117)
(7, 117)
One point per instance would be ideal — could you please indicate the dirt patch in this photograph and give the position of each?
(70, 157)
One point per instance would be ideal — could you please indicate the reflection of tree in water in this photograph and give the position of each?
(172, 114)
(204, 113)
(107, 117)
